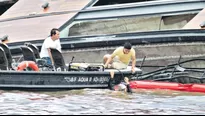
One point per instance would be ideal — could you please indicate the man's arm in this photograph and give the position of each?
(59, 45)
(133, 62)
(111, 57)
(108, 61)
(49, 52)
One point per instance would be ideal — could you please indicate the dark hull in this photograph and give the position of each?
(49, 80)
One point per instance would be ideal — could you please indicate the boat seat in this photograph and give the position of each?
(8, 54)
(35, 49)
(58, 60)
(3, 60)
(29, 55)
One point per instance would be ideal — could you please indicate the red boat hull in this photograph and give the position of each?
(167, 85)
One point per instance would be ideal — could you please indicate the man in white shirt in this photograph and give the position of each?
(50, 42)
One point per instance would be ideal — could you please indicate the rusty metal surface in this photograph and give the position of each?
(36, 28)
(26, 7)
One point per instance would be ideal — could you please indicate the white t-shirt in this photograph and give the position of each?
(49, 43)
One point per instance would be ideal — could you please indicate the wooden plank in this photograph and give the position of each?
(196, 21)
(38, 27)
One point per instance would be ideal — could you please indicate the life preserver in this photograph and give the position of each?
(26, 64)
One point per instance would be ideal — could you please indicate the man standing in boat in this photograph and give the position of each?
(121, 57)
(50, 42)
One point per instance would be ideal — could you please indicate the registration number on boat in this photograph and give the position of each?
(86, 79)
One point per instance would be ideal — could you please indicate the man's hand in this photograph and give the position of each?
(105, 66)
(126, 80)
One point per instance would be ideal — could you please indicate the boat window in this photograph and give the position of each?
(126, 24)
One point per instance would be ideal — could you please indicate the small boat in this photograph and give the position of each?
(149, 84)
(181, 76)
(61, 76)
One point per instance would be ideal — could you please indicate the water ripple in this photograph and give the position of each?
(101, 102)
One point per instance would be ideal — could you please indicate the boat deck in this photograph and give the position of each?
(30, 18)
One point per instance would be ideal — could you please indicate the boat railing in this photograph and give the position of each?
(173, 71)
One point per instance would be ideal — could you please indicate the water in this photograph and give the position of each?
(101, 102)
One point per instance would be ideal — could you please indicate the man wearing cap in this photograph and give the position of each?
(4, 39)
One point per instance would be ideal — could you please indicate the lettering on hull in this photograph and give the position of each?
(86, 79)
